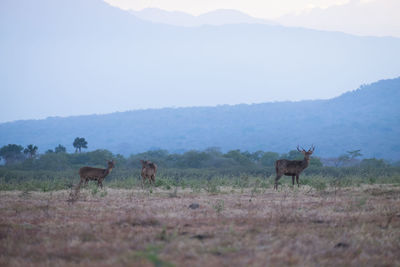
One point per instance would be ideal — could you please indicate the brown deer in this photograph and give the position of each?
(292, 167)
(95, 174)
(149, 170)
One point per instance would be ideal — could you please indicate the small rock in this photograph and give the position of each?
(194, 206)
(342, 245)
(202, 236)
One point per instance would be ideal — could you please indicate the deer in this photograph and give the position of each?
(149, 170)
(292, 167)
(95, 174)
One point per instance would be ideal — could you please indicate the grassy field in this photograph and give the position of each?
(357, 225)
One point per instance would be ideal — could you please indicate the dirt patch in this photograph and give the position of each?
(388, 193)
(275, 228)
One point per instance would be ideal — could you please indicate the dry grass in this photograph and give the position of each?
(357, 226)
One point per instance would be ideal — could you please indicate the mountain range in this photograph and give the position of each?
(361, 17)
(367, 118)
(217, 17)
(73, 57)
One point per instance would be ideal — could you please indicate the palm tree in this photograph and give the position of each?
(60, 149)
(31, 150)
(79, 143)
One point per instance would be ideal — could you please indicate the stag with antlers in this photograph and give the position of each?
(292, 167)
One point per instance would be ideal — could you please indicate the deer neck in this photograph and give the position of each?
(305, 162)
(107, 171)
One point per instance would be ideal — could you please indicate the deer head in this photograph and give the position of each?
(308, 153)
(145, 163)
(111, 164)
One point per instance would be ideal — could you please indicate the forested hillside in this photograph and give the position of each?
(366, 119)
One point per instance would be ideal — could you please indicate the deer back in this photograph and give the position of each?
(291, 167)
(148, 168)
(92, 172)
(148, 171)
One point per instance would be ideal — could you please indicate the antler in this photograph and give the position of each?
(312, 149)
(303, 150)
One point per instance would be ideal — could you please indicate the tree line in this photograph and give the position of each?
(17, 157)
(13, 153)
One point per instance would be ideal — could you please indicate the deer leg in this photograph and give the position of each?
(80, 183)
(86, 181)
(78, 187)
(297, 180)
(278, 176)
(293, 180)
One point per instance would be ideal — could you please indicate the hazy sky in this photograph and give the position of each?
(53, 66)
(259, 8)
(360, 17)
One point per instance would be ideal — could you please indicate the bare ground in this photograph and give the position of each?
(357, 226)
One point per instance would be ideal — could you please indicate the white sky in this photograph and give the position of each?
(268, 9)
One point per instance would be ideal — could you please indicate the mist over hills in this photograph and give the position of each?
(216, 17)
(62, 58)
(366, 119)
(354, 17)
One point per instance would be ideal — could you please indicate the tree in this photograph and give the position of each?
(193, 159)
(30, 151)
(213, 151)
(269, 158)
(11, 153)
(256, 156)
(315, 162)
(354, 154)
(373, 163)
(53, 161)
(348, 159)
(60, 149)
(79, 143)
(239, 157)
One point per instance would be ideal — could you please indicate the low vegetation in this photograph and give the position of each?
(196, 169)
(197, 214)
(244, 223)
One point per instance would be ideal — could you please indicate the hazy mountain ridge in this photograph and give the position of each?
(82, 57)
(354, 17)
(217, 17)
(367, 119)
